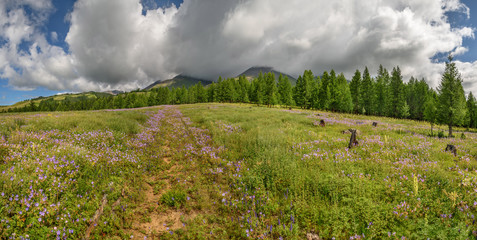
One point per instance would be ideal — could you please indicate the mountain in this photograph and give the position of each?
(253, 72)
(114, 92)
(178, 81)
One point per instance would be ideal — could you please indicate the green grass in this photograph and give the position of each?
(307, 172)
(174, 198)
(233, 171)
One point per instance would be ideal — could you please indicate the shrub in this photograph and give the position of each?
(173, 198)
(440, 134)
(19, 122)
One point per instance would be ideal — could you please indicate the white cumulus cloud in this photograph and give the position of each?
(114, 45)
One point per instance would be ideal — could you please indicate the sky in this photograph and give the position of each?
(49, 47)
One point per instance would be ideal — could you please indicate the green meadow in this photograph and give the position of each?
(232, 171)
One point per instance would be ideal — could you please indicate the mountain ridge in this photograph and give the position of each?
(253, 72)
(178, 81)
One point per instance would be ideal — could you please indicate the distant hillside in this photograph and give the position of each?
(178, 82)
(73, 97)
(114, 92)
(253, 72)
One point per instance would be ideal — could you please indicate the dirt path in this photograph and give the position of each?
(151, 217)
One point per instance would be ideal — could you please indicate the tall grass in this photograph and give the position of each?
(393, 182)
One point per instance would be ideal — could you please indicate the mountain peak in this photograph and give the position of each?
(178, 81)
(253, 72)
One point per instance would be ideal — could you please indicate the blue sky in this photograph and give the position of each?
(459, 19)
(222, 38)
(58, 23)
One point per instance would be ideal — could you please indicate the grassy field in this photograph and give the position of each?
(230, 171)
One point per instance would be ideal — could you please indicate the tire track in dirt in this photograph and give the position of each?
(151, 218)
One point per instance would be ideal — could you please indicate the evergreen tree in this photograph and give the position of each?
(451, 96)
(315, 93)
(245, 89)
(231, 94)
(270, 90)
(345, 99)
(221, 90)
(201, 93)
(192, 97)
(184, 95)
(308, 79)
(151, 99)
(32, 106)
(335, 93)
(324, 92)
(298, 92)
(430, 109)
(212, 92)
(257, 90)
(381, 91)
(141, 100)
(284, 91)
(354, 88)
(416, 97)
(367, 96)
(471, 117)
(387, 93)
(397, 94)
(421, 91)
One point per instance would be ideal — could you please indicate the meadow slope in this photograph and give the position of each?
(223, 171)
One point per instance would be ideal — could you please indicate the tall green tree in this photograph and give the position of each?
(416, 94)
(354, 88)
(257, 90)
(308, 81)
(212, 92)
(270, 95)
(451, 96)
(284, 91)
(324, 92)
(335, 93)
(367, 96)
(397, 94)
(381, 91)
(32, 106)
(345, 100)
(471, 117)
(245, 88)
(201, 93)
(298, 92)
(303, 90)
(430, 109)
(315, 93)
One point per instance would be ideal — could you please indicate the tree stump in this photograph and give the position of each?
(451, 148)
(312, 236)
(322, 123)
(353, 141)
(375, 124)
(345, 132)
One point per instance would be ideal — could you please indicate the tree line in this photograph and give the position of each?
(383, 95)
